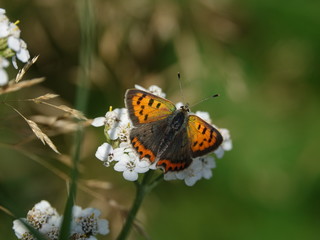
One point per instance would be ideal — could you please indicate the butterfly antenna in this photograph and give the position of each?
(205, 99)
(180, 84)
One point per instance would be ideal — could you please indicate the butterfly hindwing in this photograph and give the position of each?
(145, 107)
(177, 156)
(147, 137)
(204, 138)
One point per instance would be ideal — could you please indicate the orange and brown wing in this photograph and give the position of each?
(204, 137)
(145, 107)
(177, 156)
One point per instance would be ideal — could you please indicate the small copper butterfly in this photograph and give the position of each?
(168, 136)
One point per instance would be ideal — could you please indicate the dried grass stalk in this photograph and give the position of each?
(93, 183)
(25, 68)
(45, 97)
(12, 87)
(38, 132)
(77, 114)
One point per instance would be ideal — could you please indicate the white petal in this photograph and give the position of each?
(170, 176)
(120, 166)
(14, 30)
(195, 166)
(14, 43)
(23, 55)
(153, 166)
(208, 162)
(125, 145)
(3, 77)
(190, 181)
(103, 151)
(98, 122)
(113, 133)
(140, 87)
(141, 166)
(130, 175)
(227, 145)
(14, 62)
(207, 173)
(103, 226)
(227, 142)
(182, 174)
(4, 62)
(179, 105)
(4, 28)
(120, 154)
(156, 91)
(43, 205)
(204, 115)
(219, 152)
(19, 228)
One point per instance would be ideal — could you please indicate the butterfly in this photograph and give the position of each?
(167, 136)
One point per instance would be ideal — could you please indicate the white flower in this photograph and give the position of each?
(40, 214)
(23, 53)
(11, 44)
(20, 229)
(117, 122)
(14, 43)
(3, 74)
(169, 176)
(116, 117)
(191, 174)
(86, 221)
(200, 167)
(226, 145)
(99, 122)
(204, 116)
(4, 24)
(105, 154)
(152, 89)
(120, 132)
(3, 77)
(130, 164)
(52, 227)
(179, 105)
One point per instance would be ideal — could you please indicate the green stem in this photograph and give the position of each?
(142, 190)
(86, 51)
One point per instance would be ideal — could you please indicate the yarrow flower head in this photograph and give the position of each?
(44, 218)
(118, 151)
(11, 46)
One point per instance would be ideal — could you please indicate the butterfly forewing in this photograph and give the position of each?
(145, 107)
(204, 138)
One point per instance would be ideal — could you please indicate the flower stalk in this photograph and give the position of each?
(143, 188)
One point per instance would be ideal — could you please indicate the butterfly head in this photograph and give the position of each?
(185, 108)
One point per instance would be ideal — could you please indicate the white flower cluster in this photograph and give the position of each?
(119, 149)
(85, 223)
(117, 128)
(11, 45)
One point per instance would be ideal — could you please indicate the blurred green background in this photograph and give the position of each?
(263, 57)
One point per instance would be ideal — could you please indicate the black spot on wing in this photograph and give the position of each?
(204, 130)
(150, 102)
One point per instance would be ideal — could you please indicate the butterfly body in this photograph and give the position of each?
(165, 135)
